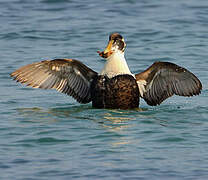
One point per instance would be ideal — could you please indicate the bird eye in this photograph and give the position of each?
(119, 43)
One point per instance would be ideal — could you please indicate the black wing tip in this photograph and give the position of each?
(197, 90)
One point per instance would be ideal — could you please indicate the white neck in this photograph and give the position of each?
(115, 65)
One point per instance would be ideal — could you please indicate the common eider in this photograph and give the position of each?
(115, 86)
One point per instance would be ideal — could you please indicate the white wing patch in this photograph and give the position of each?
(141, 85)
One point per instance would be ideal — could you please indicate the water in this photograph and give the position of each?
(47, 135)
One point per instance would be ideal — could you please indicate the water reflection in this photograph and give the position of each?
(112, 119)
(118, 124)
(36, 114)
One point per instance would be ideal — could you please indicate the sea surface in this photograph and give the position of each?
(48, 135)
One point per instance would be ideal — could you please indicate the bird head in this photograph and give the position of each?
(116, 44)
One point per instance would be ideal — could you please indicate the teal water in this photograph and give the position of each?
(47, 135)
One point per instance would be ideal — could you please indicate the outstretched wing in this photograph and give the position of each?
(163, 79)
(68, 76)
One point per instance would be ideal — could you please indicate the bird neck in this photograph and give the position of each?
(115, 65)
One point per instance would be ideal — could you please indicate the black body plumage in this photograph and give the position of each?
(120, 91)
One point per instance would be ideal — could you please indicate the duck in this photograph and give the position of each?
(114, 87)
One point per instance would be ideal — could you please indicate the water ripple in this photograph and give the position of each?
(47, 135)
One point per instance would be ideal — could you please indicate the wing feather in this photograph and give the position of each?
(164, 79)
(68, 76)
